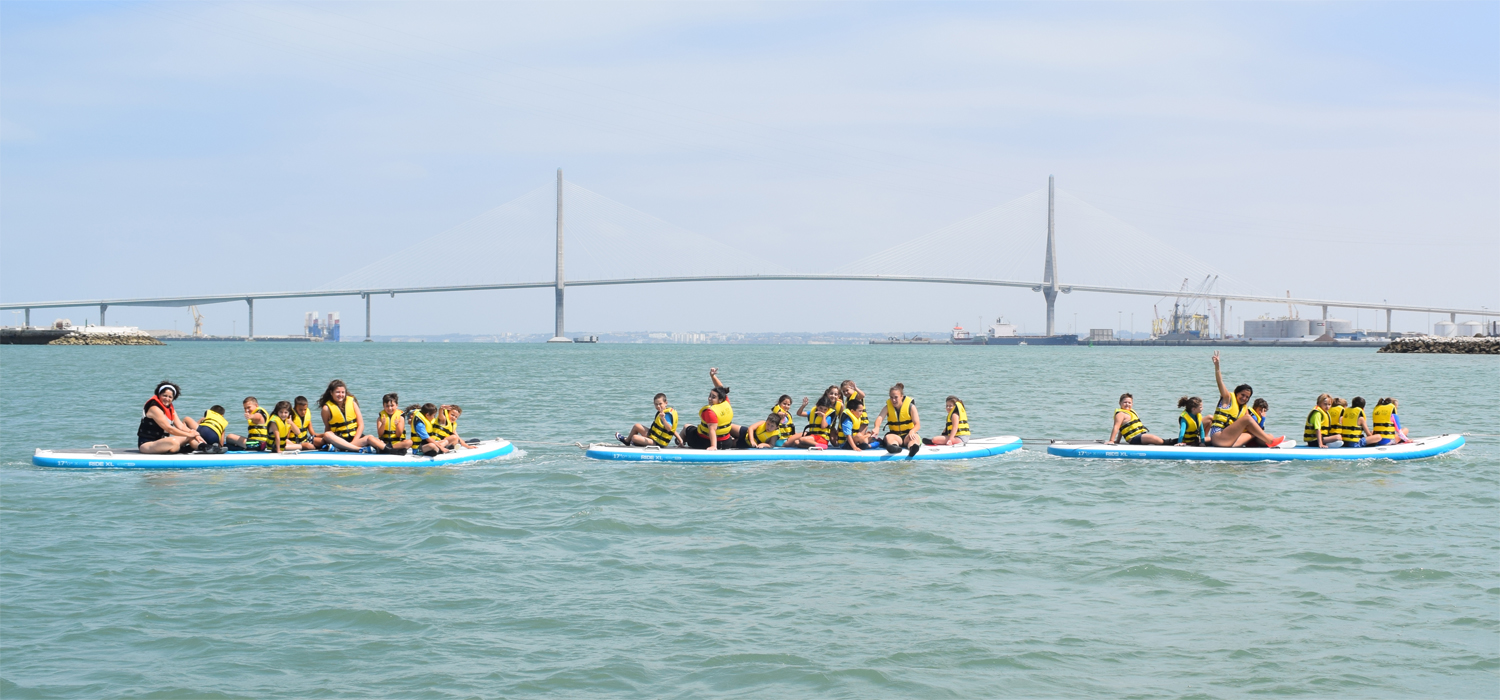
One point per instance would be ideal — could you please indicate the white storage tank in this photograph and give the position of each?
(1444, 329)
(1262, 328)
(1316, 328)
(1296, 328)
(1469, 329)
(1339, 325)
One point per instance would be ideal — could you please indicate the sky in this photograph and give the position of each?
(1329, 150)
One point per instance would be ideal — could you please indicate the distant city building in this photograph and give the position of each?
(1101, 334)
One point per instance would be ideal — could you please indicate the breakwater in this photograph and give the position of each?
(77, 335)
(1445, 346)
(105, 339)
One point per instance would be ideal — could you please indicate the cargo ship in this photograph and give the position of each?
(1002, 333)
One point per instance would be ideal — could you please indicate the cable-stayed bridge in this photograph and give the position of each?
(582, 239)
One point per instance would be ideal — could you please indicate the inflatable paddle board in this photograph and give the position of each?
(980, 447)
(102, 457)
(1422, 447)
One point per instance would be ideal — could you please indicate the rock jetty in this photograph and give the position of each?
(1450, 346)
(106, 339)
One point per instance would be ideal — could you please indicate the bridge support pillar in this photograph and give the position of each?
(367, 319)
(1049, 273)
(557, 335)
(251, 304)
(1387, 321)
(1453, 318)
(1325, 312)
(102, 309)
(27, 322)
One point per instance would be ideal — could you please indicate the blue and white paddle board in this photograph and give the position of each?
(103, 457)
(979, 447)
(1417, 449)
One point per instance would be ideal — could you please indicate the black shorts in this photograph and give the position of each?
(696, 441)
(209, 436)
(1135, 440)
(398, 451)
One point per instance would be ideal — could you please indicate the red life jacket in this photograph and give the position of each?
(169, 410)
(148, 430)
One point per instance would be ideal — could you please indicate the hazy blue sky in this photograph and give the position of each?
(1344, 150)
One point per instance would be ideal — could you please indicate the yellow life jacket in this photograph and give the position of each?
(724, 412)
(343, 421)
(817, 423)
(1224, 416)
(1335, 425)
(1193, 434)
(1310, 433)
(258, 432)
(898, 420)
(1352, 432)
(664, 427)
(962, 419)
(215, 422)
(1132, 427)
(301, 426)
(444, 426)
(279, 430)
(429, 424)
(788, 428)
(857, 423)
(386, 424)
(765, 435)
(1383, 423)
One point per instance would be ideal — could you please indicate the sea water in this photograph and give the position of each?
(548, 574)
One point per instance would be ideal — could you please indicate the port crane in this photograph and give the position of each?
(1185, 323)
(197, 322)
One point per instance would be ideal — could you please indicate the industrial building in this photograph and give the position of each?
(1291, 328)
(328, 330)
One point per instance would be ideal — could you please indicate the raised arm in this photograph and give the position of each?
(713, 373)
(1224, 394)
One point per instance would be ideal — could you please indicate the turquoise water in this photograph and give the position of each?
(551, 575)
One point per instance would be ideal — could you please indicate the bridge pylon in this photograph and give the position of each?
(559, 284)
(1049, 272)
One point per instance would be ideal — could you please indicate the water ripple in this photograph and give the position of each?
(550, 575)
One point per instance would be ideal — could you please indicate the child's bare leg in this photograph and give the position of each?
(336, 441)
(1254, 429)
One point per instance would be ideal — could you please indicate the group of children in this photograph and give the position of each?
(427, 429)
(1236, 422)
(837, 420)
